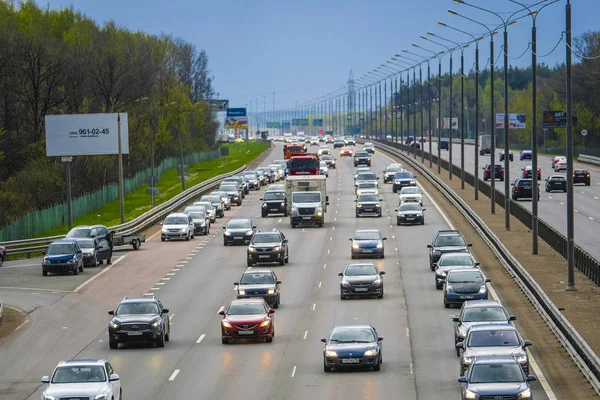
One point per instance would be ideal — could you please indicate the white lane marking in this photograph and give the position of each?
(200, 338)
(395, 249)
(171, 273)
(274, 229)
(393, 237)
(105, 270)
(328, 251)
(303, 230)
(175, 269)
(411, 369)
(184, 262)
(407, 332)
(562, 204)
(305, 334)
(333, 228)
(294, 371)
(336, 211)
(591, 218)
(330, 238)
(334, 218)
(279, 220)
(65, 327)
(165, 279)
(179, 265)
(596, 197)
(160, 283)
(324, 266)
(149, 294)
(320, 283)
(189, 258)
(576, 210)
(314, 306)
(550, 197)
(582, 192)
(155, 288)
(174, 375)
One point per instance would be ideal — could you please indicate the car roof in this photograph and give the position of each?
(482, 303)
(83, 361)
(455, 253)
(267, 232)
(503, 359)
(177, 214)
(258, 270)
(139, 300)
(492, 327)
(66, 241)
(352, 326)
(239, 219)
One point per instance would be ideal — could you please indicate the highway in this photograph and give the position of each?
(195, 279)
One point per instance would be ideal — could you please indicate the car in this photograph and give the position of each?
(89, 231)
(523, 188)
(177, 226)
(83, 379)
(410, 213)
(501, 156)
(450, 261)
(556, 182)
(274, 202)
(369, 147)
(3, 255)
(361, 170)
(492, 377)
(554, 159)
(390, 171)
(368, 204)
(559, 164)
(314, 141)
(367, 242)
(266, 172)
(367, 187)
(259, 282)
(352, 346)
(526, 155)
(276, 187)
(240, 181)
(493, 339)
(464, 284)
(139, 319)
(283, 164)
(475, 312)
(338, 143)
(445, 145)
(329, 159)
(527, 172)
(328, 140)
(224, 196)
(346, 151)
(262, 178)
(210, 210)
(409, 140)
(498, 172)
(216, 202)
(280, 169)
(324, 150)
(275, 170)
(582, 176)
(402, 179)
(238, 231)
(251, 179)
(446, 241)
(410, 193)
(246, 319)
(268, 246)
(361, 280)
(94, 251)
(350, 141)
(362, 158)
(415, 144)
(233, 192)
(323, 169)
(365, 177)
(201, 219)
(63, 255)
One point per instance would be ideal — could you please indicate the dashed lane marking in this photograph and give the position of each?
(314, 306)
(320, 283)
(149, 294)
(105, 270)
(294, 371)
(165, 279)
(324, 266)
(305, 334)
(171, 273)
(160, 283)
(174, 375)
(562, 204)
(200, 338)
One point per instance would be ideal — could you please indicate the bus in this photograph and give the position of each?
(306, 164)
(291, 149)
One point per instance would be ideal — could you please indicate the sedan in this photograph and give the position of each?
(390, 171)
(523, 188)
(346, 151)
(247, 318)
(462, 285)
(582, 176)
(238, 231)
(353, 345)
(94, 251)
(559, 164)
(367, 188)
(451, 261)
(222, 193)
(324, 151)
(323, 169)
(556, 182)
(329, 160)
(361, 280)
(501, 156)
(526, 155)
(369, 147)
(410, 213)
(367, 242)
(410, 193)
(368, 204)
(527, 172)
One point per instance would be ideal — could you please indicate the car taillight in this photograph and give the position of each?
(487, 170)
(516, 187)
(501, 170)
(588, 175)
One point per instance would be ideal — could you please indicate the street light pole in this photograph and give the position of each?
(570, 204)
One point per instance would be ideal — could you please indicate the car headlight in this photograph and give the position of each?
(345, 284)
(468, 360)
(522, 358)
(358, 205)
(441, 274)
(462, 331)
(72, 260)
(241, 292)
(470, 395)
(277, 249)
(183, 229)
(249, 232)
(45, 262)
(251, 249)
(525, 394)
(377, 205)
(155, 324)
(265, 323)
(101, 397)
(355, 245)
(380, 244)
(113, 325)
(483, 289)
(88, 254)
(372, 352)
(203, 223)
(264, 205)
(227, 233)
(271, 291)
(377, 282)
(226, 324)
(437, 253)
(412, 181)
(319, 213)
(282, 204)
(449, 288)
(330, 353)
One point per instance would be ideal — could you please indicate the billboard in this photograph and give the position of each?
(286, 124)
(515, 121)
(558, 119)
(219, 105)
(85, 135)
(236, 119)
(446, 123)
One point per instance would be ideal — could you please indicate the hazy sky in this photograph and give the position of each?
(301, 50)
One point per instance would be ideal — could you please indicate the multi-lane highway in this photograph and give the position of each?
(195, 279)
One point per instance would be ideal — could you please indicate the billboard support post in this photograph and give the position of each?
(121, 183)
(67, 163)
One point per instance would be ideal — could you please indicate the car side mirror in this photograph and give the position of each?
(460, 345)
(396, 210)
(253, 226)
(113, 378)
(45, 379)
(527, 343)
(324, 340)
(488, 280)
(285, 240)
(428, 246)
(341, 274)
(477, 264)
(278, 282)
(261, 199)
(271, 311)
(222, 312)
(462, 379)
(531, 378)
(381, 272)
(512, 317)
(377, 178)
(350, 239)
(165, 310)
(236, 284)
(455, 318)
(355, 200)
(380, 199)
(423, 209)
(512, 184)
(44, 252)
(379, 338)
(111, 312)
(384, 238)
(469, 244)
(435, 265)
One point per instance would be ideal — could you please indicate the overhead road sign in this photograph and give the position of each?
(219, 105)
(275, 125)
(286, 124)
(236, 112)
(317, 122)
(557, 119)
(300, 122)
(515, 121)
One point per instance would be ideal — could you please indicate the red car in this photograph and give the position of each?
(247, 318)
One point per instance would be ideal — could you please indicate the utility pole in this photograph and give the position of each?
(570, 204)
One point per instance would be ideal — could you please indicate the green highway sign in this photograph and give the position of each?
(300, 122)
(275, 125)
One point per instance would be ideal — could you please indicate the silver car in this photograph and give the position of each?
(323, 169)
(210, 209)
(177, 226)
(411, 193)
(83, 379)
(224, 197)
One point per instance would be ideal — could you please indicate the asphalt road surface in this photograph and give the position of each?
(195, 279)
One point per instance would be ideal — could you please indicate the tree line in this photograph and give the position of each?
(62, 62)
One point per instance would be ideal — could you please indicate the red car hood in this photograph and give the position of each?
(245, 319)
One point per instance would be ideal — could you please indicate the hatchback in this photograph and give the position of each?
(367, 242)
(352, 345)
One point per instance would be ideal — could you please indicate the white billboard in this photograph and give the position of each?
(515, 121)
(446, 123)
(85, 135)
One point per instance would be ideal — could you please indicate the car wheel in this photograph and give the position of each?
(162, 239)
(225, 242)
(187, 238)
(113, 344)
(398, 222)
(160, 342)
(438, 287)
(193, 235)
(565, 191)
(44, 273)
(282, 260)
(285, 213)
(95, 261)
(81, 268)
(423, 221)
(326, 368)
(377, 366)
(357, 215)
(457, 352)
(250, 263)
(224, 341)
(168, 335)
(293, 226)
(276, 304)
(76, 271)
(381, 295)
(446, 305)
(269, 340)
(264, 214)
(287, 257)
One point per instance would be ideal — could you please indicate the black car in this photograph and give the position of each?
(362, 158)
(3, 255)
(94, 251)
(259, 282)
(252, 180)
(410, 213)
(444, 145)
(556, 182)
(368, 204)
(491, 377)
(501, 156)
(352, 346)
(241, 182)
(238, 231)
(361, 280)
(450, 261)
(139, 319)
(498, 172)
(369, 147)
(267, 173)
(446, 241)
(474, 312)
(523, 188)
(268, 246)
(582, 176)
(200, 218)
(233, 192)
(329, 160)
(390, 171)
(274, 202)
(402, 179)
(99, 232)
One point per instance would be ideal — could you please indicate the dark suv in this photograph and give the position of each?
(274, 202)
(268, 246)
(139, 319)
(498, 172)
(446, 241)
(259, 282)
(362, 158)
(523, 188)
(402, 179)
(238, 231)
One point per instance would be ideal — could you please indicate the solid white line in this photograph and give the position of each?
(333, 228)
(411, 369)
(314, 306)
(183, 262)
(330, 238)
(596, 197)
(279, 220)
(324, 266)
(591, 218)
(562, 204)
(328, 251)
(174, 375)
(393, 237)
(200, 338)
(305, 334)
(294, 371)
(550, 197)
(105, 270)
(320, 283)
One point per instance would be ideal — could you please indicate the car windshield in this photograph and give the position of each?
(449, 240)
(392, 169)
(359, 270)
(239, 224)
(367, 198)
(366, 176)
(404, 175)
(176, 220)
(274, 195)
(462, 259)
(465, 277)
(257, 279)
(367, 185)
(410, 190)
(229, 188)
(206, 204)
(137, 308)
(410, 207)
(372, 235)
(484, 314)
(62, 248)
(246, 309)
(252, 176)
(352, 335)
(79, 374)
(492, 337)
(323, 164)
(495, 373)
(86, 244)
(197, 214)
(303, 163)
(79, 233)
(266, 238)
(306, 197)
(213, 199)
(326, 157)
(361, 154)
(230, 182)
(368, 144)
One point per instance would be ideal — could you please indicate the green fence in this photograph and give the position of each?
(37, 222)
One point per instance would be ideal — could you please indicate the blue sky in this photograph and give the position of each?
(301, 50)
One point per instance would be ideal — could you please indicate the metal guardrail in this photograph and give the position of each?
(576, 346)
(28, 246)
(589, 159)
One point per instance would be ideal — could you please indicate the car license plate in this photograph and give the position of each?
(238, 237)
(410, 219)
(305, 217)
(246, 332)
(367, 251)
(361, 289)
(350, 361)
(264, 256)
(369, 210)
(466, 297)
(134, 333)
(274, 209)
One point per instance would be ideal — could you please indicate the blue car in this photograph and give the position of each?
(526, 155)
(496, 377)
(63, 255)
(367, 242)
(464, 284)
(352, 346)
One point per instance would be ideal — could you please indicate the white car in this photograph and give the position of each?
(410, 193)
(314, 141)
(560, 163)
(210, 209)
(323, 168)
(367, 188)
(177, 226)
(83, 379)
(275, 168)
(324, 150)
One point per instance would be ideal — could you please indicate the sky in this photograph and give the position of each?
(297, 51)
